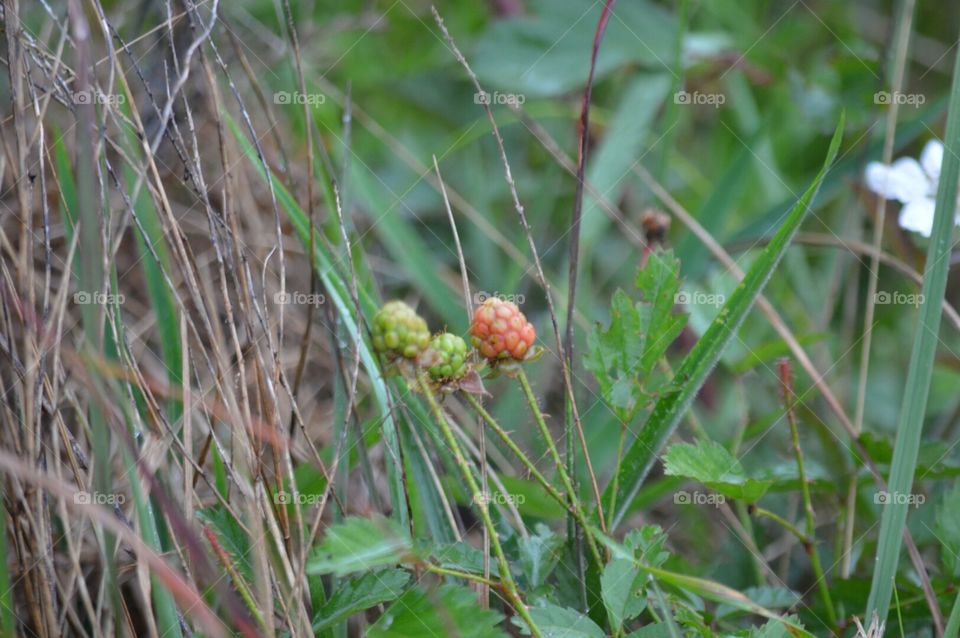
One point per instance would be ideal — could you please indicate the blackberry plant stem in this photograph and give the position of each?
(509, 586)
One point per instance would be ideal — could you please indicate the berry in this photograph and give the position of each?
(500, 330)
(449, 357)
(398, 331)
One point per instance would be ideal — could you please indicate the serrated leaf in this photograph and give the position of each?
(693, 371)
(703, 587)
(361, 593)
(691, 620)
(231, 536)
(711, 464)
(614, 354)
(539, 554)
(449, 610)
(560, 622)
(358, 544)
(460, 556)
(658, 283)
(623, 355)
(772, 629)
(621, 586)
(948, 529)
(648, 544)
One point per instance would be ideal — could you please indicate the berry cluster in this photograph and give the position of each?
(499, 332)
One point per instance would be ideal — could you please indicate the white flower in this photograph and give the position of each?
(912, 183)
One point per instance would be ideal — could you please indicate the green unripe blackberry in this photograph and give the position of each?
(398, 331)
(448, 357)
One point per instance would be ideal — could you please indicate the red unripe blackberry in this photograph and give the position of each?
(500, 331)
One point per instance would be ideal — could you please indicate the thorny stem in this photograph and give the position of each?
(505, 437)
(509, 586)
(779, 520)
(456, 573)
(616, 473)
(788, 400)
(238, 580)
(561, 468)
(571, 505)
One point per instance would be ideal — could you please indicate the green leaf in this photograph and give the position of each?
(359, 594)
(772, 629)
(449, 610)
(693, 371)
(623, 593)
(711, 464)
(358, 544)
(462, 556)
(539, 554)
(920, 373)
(531, 499)
(948, 529)
(715, 209)
(769, 597)
(703, 587)
(231, 536)
(653, 630)
(623, 355)
(933, 457)
(658, 283)
(560, 622)
(953, 622)
(648, 544)
(614, 354)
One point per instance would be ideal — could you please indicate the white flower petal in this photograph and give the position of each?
(917, 216)
(931, 158)
(904, 180)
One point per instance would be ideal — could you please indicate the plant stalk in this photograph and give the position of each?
(509, 586)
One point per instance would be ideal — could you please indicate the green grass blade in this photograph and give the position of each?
(168, 620)
(339, 293)
(953, 623)
(920, 372)
(7, 621)
(691, 374)
(161, 298)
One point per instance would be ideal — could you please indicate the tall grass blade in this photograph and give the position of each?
(920, 372)
(693, 371)
(339, 293)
